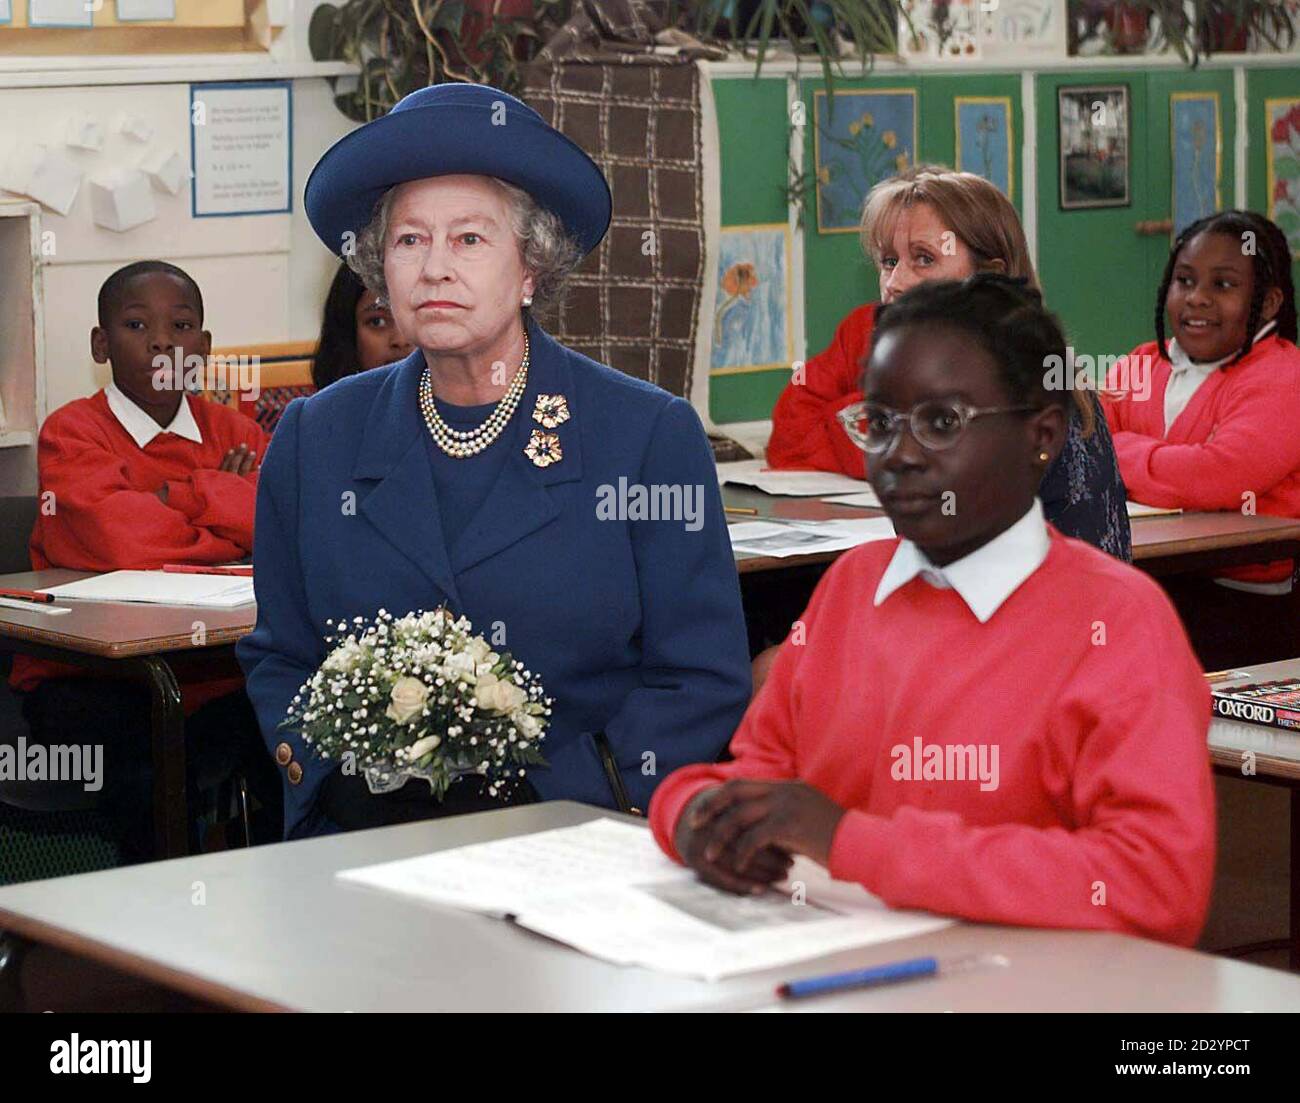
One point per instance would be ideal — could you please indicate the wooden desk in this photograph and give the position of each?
(278, 932)
(1162, 545)
(144, 643)
(1276, 761)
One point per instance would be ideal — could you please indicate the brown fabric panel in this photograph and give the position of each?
(630, 306)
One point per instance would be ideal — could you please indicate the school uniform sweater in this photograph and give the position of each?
(1234, 445)
(805, 431)
(1100, 811)
(100, 510)
(1081, 490)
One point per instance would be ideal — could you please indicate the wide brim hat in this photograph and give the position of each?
(456, 128)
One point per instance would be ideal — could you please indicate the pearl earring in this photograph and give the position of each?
(1043, 457)
(528, 300)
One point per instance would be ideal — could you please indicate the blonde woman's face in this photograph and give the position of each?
(923, 249)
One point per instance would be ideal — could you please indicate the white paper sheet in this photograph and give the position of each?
(1138, 509)
(781, 539)
(797, 484)
(604, 887)
(60, 13)
(6, 11)
(864, 498)
(131, 11)
(160, 588)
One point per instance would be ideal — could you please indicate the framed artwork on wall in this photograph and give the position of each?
(1093, 137)
(1282, 153)
(1196, 140)
(753, 319)
(868, 137)
(985, 139)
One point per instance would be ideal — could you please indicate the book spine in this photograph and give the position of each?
(1255, 712)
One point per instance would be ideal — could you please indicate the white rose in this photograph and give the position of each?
(528, 724)
(478, 649)
(497, 696)
(406, 700)
(421, 747)
(460, 666)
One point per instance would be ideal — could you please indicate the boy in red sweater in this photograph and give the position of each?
(138, 475)
(1207, 420)
(983, 718)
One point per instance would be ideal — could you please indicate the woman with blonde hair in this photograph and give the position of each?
(931, 223)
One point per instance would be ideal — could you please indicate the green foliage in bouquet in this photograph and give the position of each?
(421, 696)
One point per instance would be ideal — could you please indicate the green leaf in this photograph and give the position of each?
(321, 37)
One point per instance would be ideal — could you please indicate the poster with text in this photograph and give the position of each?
(241, 148)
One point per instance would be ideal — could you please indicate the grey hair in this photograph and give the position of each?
(550, 253)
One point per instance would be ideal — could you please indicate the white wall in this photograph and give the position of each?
(263, 277)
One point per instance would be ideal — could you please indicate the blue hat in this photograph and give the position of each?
(456, 128)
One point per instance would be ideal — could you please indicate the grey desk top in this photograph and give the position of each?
(118, 629)
(275, 930)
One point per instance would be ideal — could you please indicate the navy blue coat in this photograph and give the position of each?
(635, 626)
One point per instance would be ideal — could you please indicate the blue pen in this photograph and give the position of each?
(892, 973)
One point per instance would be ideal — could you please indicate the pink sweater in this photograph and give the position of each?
(1238, 436)
(1100, 813)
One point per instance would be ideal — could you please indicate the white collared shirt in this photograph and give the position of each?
(1186, 376)
(142, 427)
(986, 577)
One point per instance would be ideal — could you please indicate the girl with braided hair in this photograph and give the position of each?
(1220, 426)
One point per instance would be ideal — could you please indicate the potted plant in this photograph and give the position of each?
(402, 45)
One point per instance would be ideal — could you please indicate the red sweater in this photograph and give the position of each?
(1239, 433)
(1103, 816)
(107, 516)
(805, 432)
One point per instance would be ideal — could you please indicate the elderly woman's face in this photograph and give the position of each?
(455, 276)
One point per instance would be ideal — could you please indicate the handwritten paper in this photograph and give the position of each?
(605, 888)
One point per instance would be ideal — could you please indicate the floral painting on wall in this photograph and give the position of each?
(1197, 161)
(985, 139)
(1283, 150)
(752, 315)
(868, 137)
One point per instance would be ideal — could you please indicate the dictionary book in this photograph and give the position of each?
(1273, 704)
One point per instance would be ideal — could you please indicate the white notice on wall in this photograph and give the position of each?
(242, 136)
(61, 13)
(6, 11)
(138, 11)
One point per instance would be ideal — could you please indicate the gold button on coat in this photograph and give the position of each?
(283, 754)
(294, 773)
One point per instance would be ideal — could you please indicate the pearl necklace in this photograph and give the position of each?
(461, 445)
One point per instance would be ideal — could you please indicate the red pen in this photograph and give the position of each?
(243, 570)
(28, 595)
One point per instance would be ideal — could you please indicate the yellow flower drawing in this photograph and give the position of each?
(889, 138)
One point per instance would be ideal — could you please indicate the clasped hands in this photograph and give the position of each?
(742, 835)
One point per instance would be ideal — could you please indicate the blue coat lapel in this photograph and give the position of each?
(520, 503)
(403, 505)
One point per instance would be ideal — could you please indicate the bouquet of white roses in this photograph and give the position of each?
(421, 696)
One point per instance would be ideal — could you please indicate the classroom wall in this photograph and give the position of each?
(1099, 273)
(263, 277)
